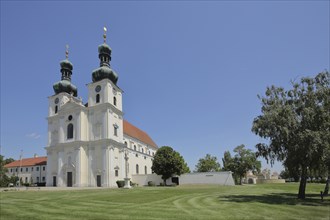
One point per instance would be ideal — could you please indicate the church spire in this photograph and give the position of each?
(66, 66)
(104, 35)
(104, 71)
(65, 84)
(67, 52)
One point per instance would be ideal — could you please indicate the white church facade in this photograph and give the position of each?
(91, 144)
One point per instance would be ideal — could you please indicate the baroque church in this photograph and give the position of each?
(90, 144)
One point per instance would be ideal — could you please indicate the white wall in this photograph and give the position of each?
(143, 180)
(39, 172)
(219, 178)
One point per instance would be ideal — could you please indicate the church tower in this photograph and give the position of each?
(65, 132)
(105, 119)
(105, 99)
(63, 89)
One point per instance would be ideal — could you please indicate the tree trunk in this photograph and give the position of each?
(164, 182)
(326, 189)
(302, 185)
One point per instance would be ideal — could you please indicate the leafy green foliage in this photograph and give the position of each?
(292, 176)
(120, 183)
(243, 161)
(4, 179)
(167, 162)
(296, 123)
(208, 164)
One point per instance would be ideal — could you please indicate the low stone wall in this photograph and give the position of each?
(219, 178)
(143, 179)
(264, 181)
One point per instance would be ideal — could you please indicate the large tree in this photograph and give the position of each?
(243, 161)
(208, 164)
(296, 126)
(167, 162)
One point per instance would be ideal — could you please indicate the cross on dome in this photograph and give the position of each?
(104, 34)
(67, 51)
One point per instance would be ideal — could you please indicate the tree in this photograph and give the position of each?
(208, 164)
(296, 124)
(4, 179)
(243, 161)
(167, 162)
(286, 174)
(229, 165)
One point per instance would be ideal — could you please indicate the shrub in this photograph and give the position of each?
(134, 184)
(161, 184)
(26, 184)
(41, 184)
(323, 180)
(120, 183)
(151, 183)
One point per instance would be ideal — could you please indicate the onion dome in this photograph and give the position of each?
(65, 84)
(104, 71)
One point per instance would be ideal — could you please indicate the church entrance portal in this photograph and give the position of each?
(54, 180)
(69, 179)
(98, 180)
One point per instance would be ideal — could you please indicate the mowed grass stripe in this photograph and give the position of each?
(183, 202)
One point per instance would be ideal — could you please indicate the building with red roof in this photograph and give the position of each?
(29, 170)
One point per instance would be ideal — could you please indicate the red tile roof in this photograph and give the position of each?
(136, 133)
(35, 161)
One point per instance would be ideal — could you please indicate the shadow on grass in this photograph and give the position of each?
(278, 198)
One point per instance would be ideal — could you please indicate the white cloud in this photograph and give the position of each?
(33, 135)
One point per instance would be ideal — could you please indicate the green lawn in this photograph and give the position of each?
(273, 201)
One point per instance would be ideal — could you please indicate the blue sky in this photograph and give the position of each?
(190, 70)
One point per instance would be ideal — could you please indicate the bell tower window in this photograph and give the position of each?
(115, 130)
(70, 131)
(56, 109)
(97, 98)
(114, 101)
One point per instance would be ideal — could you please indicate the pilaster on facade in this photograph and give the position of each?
(111, 167)
(78, 165)
(91, 166)
(78, 126)
(106, 164)
(60, 163)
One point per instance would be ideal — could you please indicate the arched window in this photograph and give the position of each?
(134, 147)
(114, 101)
(70, 131)
(145, 170)
(56, 109)
(126, 143)
(137, 168)
(142, 150)
(97, 98)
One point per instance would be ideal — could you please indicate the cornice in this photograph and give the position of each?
(107, 106)
(108, 81)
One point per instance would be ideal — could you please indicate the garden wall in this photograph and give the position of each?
(220, 178)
